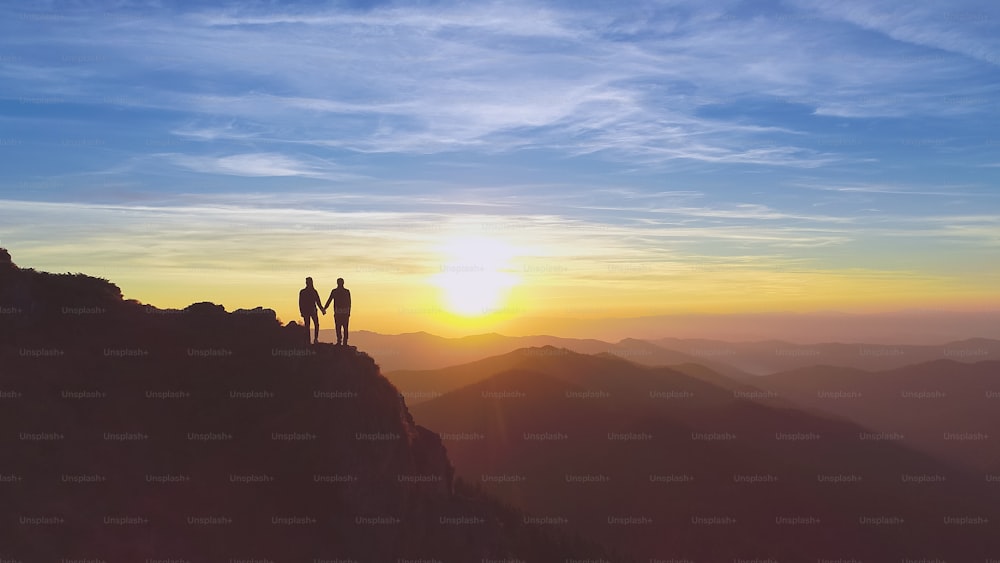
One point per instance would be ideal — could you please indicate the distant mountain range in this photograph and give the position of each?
(912, 326)
(423, 351)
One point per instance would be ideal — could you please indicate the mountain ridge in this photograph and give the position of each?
(425, 351)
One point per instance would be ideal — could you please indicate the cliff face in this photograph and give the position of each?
(133, 433)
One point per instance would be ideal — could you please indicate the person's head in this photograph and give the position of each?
(309, 282)
(340, 282)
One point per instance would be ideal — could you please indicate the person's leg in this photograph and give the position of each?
(305, 323)
(336, 321)
(316, 331)
(347, 321)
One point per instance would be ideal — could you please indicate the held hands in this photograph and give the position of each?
(323, 309)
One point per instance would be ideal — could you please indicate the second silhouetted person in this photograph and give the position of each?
(341, 298)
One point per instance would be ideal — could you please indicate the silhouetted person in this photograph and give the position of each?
(308, 301)
(341, 297)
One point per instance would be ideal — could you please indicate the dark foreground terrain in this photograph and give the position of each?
(130, 433)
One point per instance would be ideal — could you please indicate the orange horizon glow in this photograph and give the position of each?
(532, 307)
(459, 279)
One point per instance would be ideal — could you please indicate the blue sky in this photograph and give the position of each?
(184, 141)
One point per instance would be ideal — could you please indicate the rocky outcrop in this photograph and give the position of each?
(135, 433)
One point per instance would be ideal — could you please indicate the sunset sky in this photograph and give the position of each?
(469, 165)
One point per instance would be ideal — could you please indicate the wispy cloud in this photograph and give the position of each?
(895, 189)
(253, 164)
(964, 27)
(452, 77)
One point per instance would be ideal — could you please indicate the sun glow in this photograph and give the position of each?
(474, 276)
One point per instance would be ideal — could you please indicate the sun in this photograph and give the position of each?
(474, 275)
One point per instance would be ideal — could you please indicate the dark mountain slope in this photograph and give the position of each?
(696, 471)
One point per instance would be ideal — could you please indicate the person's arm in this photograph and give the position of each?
(328, 300)
(347, 293)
